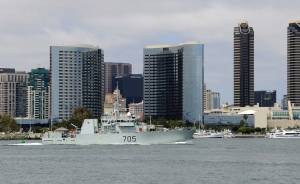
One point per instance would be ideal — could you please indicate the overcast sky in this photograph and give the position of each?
(123, 27)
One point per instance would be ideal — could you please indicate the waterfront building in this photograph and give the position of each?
(137, 109)
(243, 65)
(265, 98)
(285, 118)
(76, 80)
(13, 92)
(262, 117)
(228, 119)
(112, 70)
(38, 94)
(173, 81)
(131, 87)
(254, 116)
(293, 62)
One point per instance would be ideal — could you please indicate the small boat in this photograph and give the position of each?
(283, 134)
(228, 134)
(26, 144)
(184, 142)
(207, 134)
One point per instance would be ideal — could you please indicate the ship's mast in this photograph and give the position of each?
(199, 121)
(117, 105)
(51, 124)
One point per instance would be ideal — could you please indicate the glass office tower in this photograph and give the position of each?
(173, 81)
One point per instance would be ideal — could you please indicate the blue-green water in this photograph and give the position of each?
(207, 161)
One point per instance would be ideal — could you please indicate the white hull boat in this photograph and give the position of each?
(284, 134)
(27, 144)
(207, 134)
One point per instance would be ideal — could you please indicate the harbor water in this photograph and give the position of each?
(206, 161)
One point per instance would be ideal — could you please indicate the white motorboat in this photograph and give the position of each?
(207, 134)
(281, 134)
(228, 134)
(26, 144)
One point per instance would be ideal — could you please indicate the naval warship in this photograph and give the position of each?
(118, 128)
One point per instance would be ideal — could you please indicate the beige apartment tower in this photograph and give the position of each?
(13, 92)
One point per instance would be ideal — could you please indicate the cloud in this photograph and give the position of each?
(122, 28)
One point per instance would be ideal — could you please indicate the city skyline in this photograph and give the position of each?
(123, 40)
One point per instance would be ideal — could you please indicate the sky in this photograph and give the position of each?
(122, 28)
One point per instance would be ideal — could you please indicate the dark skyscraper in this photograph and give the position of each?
(265, 98)
(131, 87)
(243, 65)
(112, 70)
(93, 81)
(293, 63)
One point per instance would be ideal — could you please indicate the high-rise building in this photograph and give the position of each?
(293, 62)
(243, 65)
(93, 81)
(211, 100)
(38, 94)
(112, 70)
(13, 92)
(76, 80)
(173, 81)
(284, 102)
(131, 87)
(204, 98)
(215, 100)
(265, 98)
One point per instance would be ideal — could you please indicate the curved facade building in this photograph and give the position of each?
(293, 62)
(243, 65)
(173, 81)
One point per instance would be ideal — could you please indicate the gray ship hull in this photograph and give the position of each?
(144, 138)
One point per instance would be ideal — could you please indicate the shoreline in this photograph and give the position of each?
(21, 136)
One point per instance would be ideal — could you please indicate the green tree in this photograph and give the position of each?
(79, 115)
(246, 130)
(8, 124)
(258, 130)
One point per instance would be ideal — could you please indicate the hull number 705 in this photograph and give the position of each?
(129, 138)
